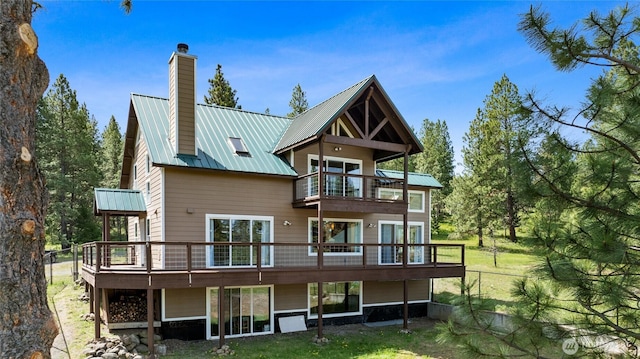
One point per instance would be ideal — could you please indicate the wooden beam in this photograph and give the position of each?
(378, 128)
(357, 142)
(354, 124)
(366, 112)
(96, 312)
(150, 332)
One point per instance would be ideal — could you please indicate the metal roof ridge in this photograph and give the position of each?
(359, 83)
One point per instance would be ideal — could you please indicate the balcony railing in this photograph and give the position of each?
(198, 256)
(347, 186)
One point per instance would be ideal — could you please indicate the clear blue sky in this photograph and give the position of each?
(436, 60)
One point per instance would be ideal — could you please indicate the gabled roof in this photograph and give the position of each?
(415, 179)
(119, 201)
(313, 121)
(215, 125)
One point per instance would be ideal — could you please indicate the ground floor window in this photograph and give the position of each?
(337, 298)
(391, 237)
(247, 311)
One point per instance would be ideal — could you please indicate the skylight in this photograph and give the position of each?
(238, 146)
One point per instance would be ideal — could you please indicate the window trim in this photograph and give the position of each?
(334, 315)
(400, 223)
(230, 217)
(409, 192)
(310, 252)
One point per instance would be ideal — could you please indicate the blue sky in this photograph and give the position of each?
(436, 60)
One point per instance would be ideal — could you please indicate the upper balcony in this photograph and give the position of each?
(350, 193)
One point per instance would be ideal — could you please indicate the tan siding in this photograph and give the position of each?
(187, 302)
(186, 105)
(290, 297)
(172, 102)
(391, 292)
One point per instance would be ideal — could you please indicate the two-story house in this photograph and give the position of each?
(239, 219)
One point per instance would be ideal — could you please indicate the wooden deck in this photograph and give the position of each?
(184, 265)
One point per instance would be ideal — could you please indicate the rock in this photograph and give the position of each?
(126, 340)
(141, 348)
(134, 339)
(160, 349)
(109, 356)
(143, 334)
(89, 352)
(144, 340)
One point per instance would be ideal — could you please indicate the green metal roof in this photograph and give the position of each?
(315, 119)
(215, 125)
(415, 179)
(120, 201)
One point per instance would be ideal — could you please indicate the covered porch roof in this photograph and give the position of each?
(119, 202)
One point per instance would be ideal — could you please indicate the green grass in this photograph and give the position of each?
(512, 261)
(363, 343)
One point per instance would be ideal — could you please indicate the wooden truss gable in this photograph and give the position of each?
(372, 121)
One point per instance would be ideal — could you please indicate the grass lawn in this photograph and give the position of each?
(513, 261)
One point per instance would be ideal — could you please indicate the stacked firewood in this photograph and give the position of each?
(128, 309)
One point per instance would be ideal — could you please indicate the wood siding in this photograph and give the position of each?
(392, 292)
(182, 103)
(290, 297)
(183, 303)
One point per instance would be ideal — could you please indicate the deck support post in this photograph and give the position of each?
(150, 331)
(320, 291)
(405, 306)
(221, 315)
(405, 244)
(96, 311)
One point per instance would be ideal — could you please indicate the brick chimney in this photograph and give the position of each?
(182, 101)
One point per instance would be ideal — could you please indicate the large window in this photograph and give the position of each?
(338, 298)
(247, 311)
(391, 238)
(338, 234)
(341, 176)
(235, 239)
(416, 198)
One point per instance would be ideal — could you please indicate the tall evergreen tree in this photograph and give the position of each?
(220, 91)
(492, 154)
(436, 160)
(112, 152)
(587, 285)
(298, 102)
(68, 148)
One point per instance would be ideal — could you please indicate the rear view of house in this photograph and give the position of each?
(239, 219)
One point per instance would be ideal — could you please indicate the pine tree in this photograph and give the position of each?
(436, 160)
(220, 92)
(298, 102)
(492, 155)
(112, 152)
(68, 148)
(587, 214)
(27, 327)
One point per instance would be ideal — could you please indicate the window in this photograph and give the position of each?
(391, 238)
(147, 193)
(135, 230)
(148, 164)
(338, 298)
(247, 310)
(338, 234)
(238, 146)
(342, 177)
(135, 172)
(148, 229)
(416, 198)
(235, 238)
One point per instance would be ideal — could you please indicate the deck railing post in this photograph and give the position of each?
(98, 255)
(435, 256)
(148, 255)
(189, 259)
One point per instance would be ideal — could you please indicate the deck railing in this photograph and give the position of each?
(197, 256)
(348, 186)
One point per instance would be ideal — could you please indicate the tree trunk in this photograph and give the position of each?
(27, 328)
(511, 216)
